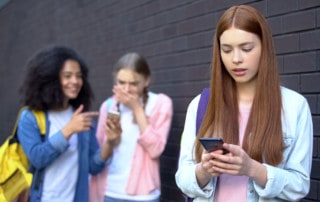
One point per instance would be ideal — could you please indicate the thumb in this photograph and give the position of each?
(78, 110)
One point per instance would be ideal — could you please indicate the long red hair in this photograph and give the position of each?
(263, 135)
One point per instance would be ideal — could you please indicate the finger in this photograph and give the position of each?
(91, 114)
(109, 124)
(78, 110)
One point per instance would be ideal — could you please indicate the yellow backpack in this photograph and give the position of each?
(14, 164)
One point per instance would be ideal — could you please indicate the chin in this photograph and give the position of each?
(72, 96)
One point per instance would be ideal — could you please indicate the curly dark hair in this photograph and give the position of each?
(41, 89)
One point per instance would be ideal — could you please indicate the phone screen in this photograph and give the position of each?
(212, 144)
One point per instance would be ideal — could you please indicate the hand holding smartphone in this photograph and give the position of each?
(213, 144)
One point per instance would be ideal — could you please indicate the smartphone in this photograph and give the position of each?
(212, 144)
(114, 115)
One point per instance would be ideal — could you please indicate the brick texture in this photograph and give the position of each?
(174, 36)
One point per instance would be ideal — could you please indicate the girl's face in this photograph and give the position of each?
(131, 82)
(71, 79)
(240, 53)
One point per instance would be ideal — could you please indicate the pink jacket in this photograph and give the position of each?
(145, 175)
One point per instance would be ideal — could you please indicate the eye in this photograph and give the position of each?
(66, 75)
(120, 82)
(247, 49)
(79, 76)
(134, 83)
(226, 50)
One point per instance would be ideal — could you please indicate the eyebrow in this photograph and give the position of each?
(131, 82)
(70, 72)
(242, 44)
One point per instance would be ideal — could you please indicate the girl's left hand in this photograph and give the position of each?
(114, 130)
(236, 162)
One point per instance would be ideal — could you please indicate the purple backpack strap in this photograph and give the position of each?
(202, 107)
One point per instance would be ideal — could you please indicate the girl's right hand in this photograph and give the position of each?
(207, 162)
(80, 121)
(204, 169)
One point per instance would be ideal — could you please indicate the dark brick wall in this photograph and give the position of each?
(176, 38)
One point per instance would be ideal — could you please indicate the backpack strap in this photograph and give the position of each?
(41, 121)
(14, 137)
(202, 107)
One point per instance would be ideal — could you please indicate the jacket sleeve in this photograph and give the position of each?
(154, 138)
(186, 175)
(40, 153)
(96, 162)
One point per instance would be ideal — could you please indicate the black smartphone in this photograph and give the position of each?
(212, 144)
(114, 115)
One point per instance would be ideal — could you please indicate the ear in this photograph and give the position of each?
(147, 82)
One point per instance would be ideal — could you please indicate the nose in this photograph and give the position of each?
(126, 87)
(75, 79)
(237, 57)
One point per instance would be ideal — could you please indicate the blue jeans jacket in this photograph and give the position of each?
(43, 153)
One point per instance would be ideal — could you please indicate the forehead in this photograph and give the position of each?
(71, 66)
(129, 75)
(235, 36)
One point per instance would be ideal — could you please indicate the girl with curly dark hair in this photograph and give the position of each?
(56, 83)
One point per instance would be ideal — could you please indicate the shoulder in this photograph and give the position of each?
(162, 98)
(107, 103)
(31, 117)
(26, 114)
(160, 102)
(293, 103)
(288, 93)
(194, 102)
(291, 97)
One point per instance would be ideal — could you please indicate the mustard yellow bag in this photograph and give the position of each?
(14, 164)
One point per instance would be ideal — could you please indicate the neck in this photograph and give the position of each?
(61, 108)
(246, 94)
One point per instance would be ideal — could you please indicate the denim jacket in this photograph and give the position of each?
(288, 181)
(43, 153)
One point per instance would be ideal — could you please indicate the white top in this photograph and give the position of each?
(61, 176)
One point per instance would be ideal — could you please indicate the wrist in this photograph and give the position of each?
(67, 132)
(138, 109)
(203, 177)
(112, 143)
(258, 173)
(106, 151)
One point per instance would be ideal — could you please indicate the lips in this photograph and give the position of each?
(239, 71)
(73, 90)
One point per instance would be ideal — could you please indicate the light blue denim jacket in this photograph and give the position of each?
(43, 153)
(288, 181)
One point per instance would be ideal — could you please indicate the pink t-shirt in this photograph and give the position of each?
(232, 188)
